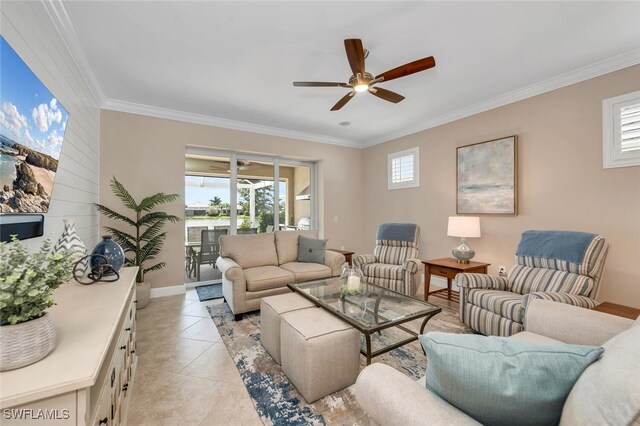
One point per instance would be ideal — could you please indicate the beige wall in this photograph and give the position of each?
(148, 155)
(562, 183)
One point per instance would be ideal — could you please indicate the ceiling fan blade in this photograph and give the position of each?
(408, 69)
(387, 95)
(355, 55)
(343, 101)
(319, 84)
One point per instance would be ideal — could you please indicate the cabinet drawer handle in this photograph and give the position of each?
(125, 386)
(103, 421)
(127, 329)
(133, 351)
(123, 347)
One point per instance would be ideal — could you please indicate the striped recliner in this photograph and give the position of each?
(560, 266)
(394, 263)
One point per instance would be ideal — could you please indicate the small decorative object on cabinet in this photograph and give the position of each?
(143, 237)
(112, 252)
(463, 227)
(27, 283)
(88, 378)
(487, 177)
(70, 241)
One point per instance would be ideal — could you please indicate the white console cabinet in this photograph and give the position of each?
(86, 379)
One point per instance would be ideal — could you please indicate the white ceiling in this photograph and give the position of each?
(236, 61)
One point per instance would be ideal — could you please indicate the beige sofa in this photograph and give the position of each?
(260, 265)
(607, 392)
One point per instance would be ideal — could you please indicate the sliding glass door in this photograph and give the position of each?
(233, 193)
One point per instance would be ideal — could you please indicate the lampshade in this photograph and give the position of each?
(464, 226)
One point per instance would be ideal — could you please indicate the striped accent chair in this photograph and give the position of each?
(560, 266)
(394, 263)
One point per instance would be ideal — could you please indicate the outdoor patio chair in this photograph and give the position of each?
(246, 231)
(209, 247)
(194, 233)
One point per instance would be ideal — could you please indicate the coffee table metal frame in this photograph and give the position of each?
(368, 330)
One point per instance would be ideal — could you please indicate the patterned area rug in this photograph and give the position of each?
(278, 402)
(208, 292)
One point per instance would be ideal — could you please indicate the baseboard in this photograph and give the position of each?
(168, 291)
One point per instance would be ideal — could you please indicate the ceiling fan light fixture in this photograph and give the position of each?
(361, 87)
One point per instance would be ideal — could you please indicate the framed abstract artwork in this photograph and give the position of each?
(487, 177)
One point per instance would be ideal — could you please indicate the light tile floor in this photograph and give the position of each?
(185, 375)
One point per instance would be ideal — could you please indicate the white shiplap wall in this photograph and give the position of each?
(31, 32)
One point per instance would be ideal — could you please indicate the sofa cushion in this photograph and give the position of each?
(503, 303)
(608, 392)
(287, 244)
(311, 250)
(249, 251)
(504, 381)
(266, 277)
(307, 271)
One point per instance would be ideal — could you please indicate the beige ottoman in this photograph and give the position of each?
(320, 353)
(270, 310)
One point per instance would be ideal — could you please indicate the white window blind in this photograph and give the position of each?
(630, 128)
(621, 130)
(403, 169)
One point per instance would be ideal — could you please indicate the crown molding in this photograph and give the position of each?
(606, 66)
(61, 21)
(170, 114)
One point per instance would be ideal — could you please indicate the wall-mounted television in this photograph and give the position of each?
(32, 127)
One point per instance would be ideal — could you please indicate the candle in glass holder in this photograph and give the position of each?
(353, 282)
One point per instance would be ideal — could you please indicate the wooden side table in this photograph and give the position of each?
(347, 254)
(448, 268)
(618, 310)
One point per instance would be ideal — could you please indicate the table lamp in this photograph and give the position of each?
(463, 227)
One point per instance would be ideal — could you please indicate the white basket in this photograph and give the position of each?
(25, 343)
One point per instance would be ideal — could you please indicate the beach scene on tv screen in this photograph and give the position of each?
(32, 125)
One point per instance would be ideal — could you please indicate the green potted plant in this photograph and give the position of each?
(27, 282)
(142, 237)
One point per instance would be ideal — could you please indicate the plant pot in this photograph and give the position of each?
(143, 293)
(25, 343)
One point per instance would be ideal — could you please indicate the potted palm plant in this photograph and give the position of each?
(27, 282)
(141, 236)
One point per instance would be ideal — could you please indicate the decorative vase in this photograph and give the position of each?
(27, 342)
(351, 282)
(143, 294)
(70, 242)
(111, 251)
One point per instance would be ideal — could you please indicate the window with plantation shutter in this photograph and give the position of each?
(621, 130)
(403, 169)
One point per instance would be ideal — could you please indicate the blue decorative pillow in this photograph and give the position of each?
(500, 381)
(311, 250)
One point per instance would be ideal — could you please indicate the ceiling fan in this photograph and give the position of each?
(362, 81)
(225, 165)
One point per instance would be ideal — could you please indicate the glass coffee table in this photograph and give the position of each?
(370, 309)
